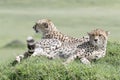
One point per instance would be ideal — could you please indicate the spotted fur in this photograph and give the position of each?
(94, 49)
(49, 31)
(65, 50)
(45, 46)
(38, 48)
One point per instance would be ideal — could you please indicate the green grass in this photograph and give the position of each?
(73, 17)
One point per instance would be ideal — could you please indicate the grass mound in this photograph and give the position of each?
(14, 44)
(40, 68)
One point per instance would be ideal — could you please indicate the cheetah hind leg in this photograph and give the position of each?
(85, 61)
(37, 52)
(40, 52)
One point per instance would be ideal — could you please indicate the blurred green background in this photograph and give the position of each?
(72, 17)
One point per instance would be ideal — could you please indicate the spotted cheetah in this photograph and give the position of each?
(49, 31)
(93, 49)
(38, 48)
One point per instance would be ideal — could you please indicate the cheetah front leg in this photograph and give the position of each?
(70, 59)
(37, 52)
(97, 55)
(78, 54)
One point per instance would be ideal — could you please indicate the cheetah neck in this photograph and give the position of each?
(49, 34)
(101, 47)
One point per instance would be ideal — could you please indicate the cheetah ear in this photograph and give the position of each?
(107, 32)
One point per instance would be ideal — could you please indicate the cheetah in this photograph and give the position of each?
(49, 31)
(93, 49)
(38, 48)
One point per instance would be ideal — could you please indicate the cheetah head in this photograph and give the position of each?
(98, 37)
(44, 26)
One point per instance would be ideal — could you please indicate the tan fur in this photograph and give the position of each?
(91, 50)
(39, 48)
(52, 32)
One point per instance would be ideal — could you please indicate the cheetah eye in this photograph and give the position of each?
(100, 35)
(45, 25)
(93, 35)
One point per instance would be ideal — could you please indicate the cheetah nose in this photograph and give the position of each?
(95, 40)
